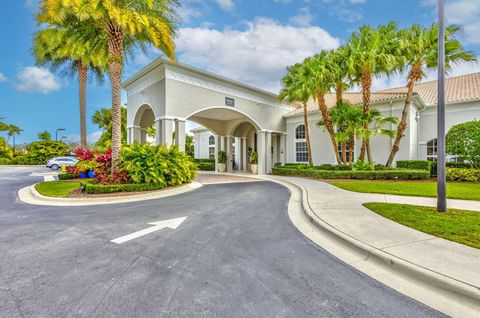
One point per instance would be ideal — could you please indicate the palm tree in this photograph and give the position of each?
(419, 47)
(296, 89)
(371, 52)
(339, 70)
(340, 117)
(76, 51)
(375, 122)
(13, 130)
(138, 22)
(320, 83)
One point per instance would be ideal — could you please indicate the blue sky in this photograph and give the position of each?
(247, 40)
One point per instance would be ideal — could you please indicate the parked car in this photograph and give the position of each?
(57, 162)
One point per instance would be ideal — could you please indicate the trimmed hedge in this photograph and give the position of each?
(415, 164)
(205, 164)
(362, 175)
(4, 161)
(67, 176)
(468, 175)
(112, 188)
(460, 165)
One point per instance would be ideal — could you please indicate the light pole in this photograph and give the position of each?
(441, 177)
(56, 132)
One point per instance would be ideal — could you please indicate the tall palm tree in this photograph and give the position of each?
(76, 49)
(339, 70)
(371, 52)
(12, 131)
(136, 21)
(340, 117)
(320, 83)
(419, 47)
(375, 123)
(296, 89)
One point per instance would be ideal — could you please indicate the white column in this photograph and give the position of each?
(158, 131)
(238, 153)
(268, 152)
(261, 136)
(217, 142)
(228, 147)
(129, 136)
(244, 154)
(135, 134)
(180, 134)
(283, 149)
(166, 131)
(223, 143)
(143, 135)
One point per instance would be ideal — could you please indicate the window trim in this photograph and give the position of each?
(300, 140)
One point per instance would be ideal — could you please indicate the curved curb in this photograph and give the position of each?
(459, 290)
(31, 196)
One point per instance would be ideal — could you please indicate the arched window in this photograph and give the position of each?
(211, 141)
(301, 153)
(432, 150)
(211, 147)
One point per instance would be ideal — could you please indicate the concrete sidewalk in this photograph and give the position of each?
(450, 267)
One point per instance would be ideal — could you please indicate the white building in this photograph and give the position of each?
(239, 118)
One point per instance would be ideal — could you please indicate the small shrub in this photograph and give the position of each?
(361, 165)
(461, 165)
(67, 176)
(4, 161)
(112, 188)
(468, 175)
(83, 154)
(330, 167)
(86, 165)
(414, 164)
(222, 157)
(379, 167)
(111, 177)
(253, 157)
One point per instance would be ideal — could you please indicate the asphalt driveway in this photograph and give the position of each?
(236, 255)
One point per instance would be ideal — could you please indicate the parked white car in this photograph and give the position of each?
(57, 162)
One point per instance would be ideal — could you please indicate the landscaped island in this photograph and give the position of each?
(141, 168)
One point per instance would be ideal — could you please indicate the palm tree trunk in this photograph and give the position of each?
(115, 52)
(366, 93)
(369, 151)
(351, 145)
(339, 92)
(415, 75)
(328, 124)
(307, 133)
(344, 153)
(82, 84)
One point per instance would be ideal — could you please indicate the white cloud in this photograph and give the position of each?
(464, 13)
(187, 12)
(257, 55)
(37, 79)
(91, 138)
(303, 18)
(226, 5)
(346, 10)
(2, 77)
(399, 80)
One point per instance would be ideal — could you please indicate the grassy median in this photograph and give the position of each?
(465, 191)
(455, 225)
(57, 188)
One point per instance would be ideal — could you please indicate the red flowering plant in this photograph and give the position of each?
(73, 170)
(83, 154)
(114, 177)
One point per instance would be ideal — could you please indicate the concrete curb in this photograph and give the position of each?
(31, 196)
(461, 291)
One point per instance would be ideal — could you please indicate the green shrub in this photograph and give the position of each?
(361, 165)
(5, 150)
(463, 140)
(167, 166)
(112, 188)
(379, 167)
(26, 160)
(469, 175)
(4, 161)
(363, 175)
(415, 164)
(333, 167)
(67, 176)
(461, 165)
(222, 156)
(206, 166)
(253, 157)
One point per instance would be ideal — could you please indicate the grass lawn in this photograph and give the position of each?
(466, 191)
(57, 188)
(455, 225)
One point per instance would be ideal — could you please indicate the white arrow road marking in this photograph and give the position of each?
(171, 223)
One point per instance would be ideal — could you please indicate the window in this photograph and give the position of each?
(432, 147)
(211, 147)
(301, 152)
(432, 150)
